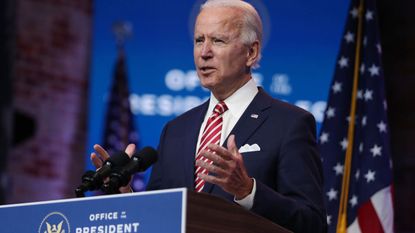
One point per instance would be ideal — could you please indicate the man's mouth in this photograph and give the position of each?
(206, 69)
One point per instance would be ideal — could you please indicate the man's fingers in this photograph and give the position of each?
(222, 152)
(96, 160)
(226, 169)
(232, 145)
(218, 160)
(211, 168)
(102, 152)
(210, 179)
(227, 154)
(130, 149)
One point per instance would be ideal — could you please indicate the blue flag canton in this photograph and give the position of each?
(371, 168)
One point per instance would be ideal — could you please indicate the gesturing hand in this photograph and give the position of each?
(227, 170)
(102, 155)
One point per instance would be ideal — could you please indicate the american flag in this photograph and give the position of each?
(367, 197)
(119, 124)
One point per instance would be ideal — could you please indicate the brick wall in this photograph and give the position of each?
(50, 85)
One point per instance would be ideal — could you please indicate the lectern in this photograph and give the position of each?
(164, 211)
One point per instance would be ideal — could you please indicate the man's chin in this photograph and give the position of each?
(208, 86)
(207, 81)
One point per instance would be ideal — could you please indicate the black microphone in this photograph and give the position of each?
(86, 183)
(93, 180)
(138, 163)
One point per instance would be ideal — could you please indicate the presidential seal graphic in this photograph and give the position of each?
(54, 222)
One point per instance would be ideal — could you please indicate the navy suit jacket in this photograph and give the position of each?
(287, 168)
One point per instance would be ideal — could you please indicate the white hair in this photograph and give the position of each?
(251, 29)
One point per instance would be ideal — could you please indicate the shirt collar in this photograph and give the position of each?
(239, 100)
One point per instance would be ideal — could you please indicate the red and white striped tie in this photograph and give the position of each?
(211, 134)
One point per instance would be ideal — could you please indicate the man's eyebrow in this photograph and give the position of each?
(220, 35)
(213, 35)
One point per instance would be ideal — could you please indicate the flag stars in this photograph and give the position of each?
(349, 37)
(357, 175)
(338, 169)
(337, 87)
(365, 144)
(328, 219)
(361, 147)
(364, 120)
(343, 62)
(382, 127)
(330, 112)
(368, 95)
(354, 12)
(362, 68)
(360, 94)
(355, 118)
(370, 176)
(376, 150)
(374, 70)
(353, 201)
(379, 48)
(332, 194)
(324, 137)
(344, 144)
(369, 15)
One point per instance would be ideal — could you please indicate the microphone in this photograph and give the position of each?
(86, 183)
(139, 162)
(93, 180)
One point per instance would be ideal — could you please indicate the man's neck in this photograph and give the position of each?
(224, 94)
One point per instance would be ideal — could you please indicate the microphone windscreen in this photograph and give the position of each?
(119, 159)
(148, 156)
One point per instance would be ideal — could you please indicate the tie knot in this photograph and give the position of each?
(220, 108)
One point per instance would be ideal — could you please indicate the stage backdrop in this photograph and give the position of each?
(301, 40)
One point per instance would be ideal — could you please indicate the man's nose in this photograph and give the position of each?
(206, 50)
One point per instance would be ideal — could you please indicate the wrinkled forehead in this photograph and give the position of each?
(218, 19)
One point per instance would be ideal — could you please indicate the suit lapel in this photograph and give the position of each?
(250, 121)
(192, 129)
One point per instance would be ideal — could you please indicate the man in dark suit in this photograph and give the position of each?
(241, 144)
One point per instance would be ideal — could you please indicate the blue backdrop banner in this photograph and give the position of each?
(301, 40)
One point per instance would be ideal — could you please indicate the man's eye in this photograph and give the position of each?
(218, 41)
(198, 40)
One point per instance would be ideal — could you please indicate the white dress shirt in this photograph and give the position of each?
(237, 103)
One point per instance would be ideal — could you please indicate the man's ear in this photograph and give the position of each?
(253, 54)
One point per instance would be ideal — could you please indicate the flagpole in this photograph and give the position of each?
(342, 217)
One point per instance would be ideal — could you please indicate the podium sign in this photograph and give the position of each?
(147, 212)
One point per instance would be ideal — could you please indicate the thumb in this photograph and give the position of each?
(232, 145)
(130, 149)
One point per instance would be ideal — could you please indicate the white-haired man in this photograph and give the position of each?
(241, 144)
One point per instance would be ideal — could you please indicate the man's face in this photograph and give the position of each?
(220, 57)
